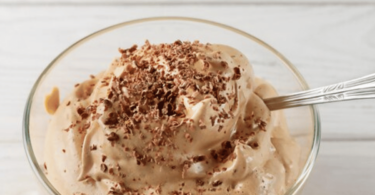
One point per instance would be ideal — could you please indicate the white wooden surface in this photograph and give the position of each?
(181, 2)
(327, 42)
(169, 2)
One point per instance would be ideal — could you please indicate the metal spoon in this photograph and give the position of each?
(360, 88)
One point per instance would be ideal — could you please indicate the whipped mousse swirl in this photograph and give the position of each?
(182, 119)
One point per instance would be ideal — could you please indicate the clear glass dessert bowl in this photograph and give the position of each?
(95, 52)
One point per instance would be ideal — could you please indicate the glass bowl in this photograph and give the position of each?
(95, 52)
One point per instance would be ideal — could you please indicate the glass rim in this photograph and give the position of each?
(303, 84)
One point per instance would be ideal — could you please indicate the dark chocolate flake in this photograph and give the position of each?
(80, 110)
(200, 182)
(93, 147)
(217, 183)
(178, 42)
(103, 167)
(107, 103)
(237, 73)
(113, 137)
(199, 158)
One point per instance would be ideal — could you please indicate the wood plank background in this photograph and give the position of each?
(328, 42)
(182, 2)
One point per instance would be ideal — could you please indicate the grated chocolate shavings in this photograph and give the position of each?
(103, 167)
(220, 128)
(93, 147)
(178, 42)
(217, 183)
(199, 158)
(199, 182)
(237, 73)
(111, 171)
(224, 64)
(202, 125)
(213, 118)
(254, 145)
(113, 137)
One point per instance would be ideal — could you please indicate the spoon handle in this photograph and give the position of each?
(360, 88)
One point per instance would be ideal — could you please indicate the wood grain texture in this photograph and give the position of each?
(185, 2)
(328, 44)
(343, 168)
